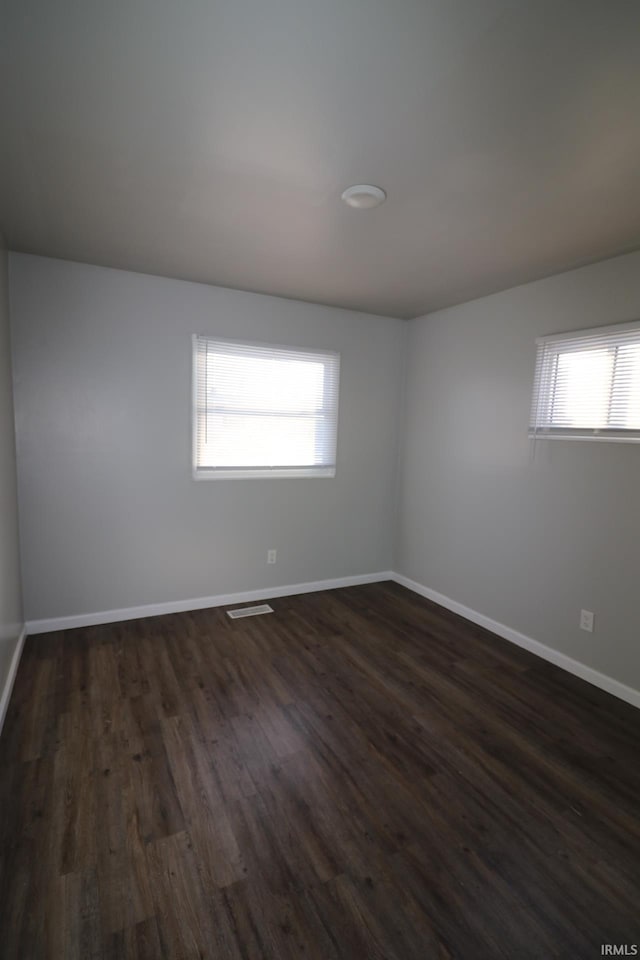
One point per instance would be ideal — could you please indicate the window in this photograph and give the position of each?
(587, 385)
(264, 411)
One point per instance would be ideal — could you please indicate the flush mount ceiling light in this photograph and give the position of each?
(363, 196)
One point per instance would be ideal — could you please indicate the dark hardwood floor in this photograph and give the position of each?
(360, 775)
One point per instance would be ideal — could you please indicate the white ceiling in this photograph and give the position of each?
(211, 139)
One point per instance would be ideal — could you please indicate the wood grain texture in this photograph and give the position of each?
(361, 774)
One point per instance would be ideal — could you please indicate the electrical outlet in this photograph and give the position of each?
(586, 620)
(271, 556)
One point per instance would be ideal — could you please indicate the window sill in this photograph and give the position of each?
(224, 473)
(602, 437)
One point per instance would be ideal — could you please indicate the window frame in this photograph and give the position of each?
(330, 411)
(549, 349)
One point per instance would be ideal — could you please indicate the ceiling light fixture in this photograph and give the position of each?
(363, 196)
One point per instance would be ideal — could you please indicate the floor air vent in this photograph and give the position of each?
(250, 611)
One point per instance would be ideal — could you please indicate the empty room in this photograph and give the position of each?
(319, 479)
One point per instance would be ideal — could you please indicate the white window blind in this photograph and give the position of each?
(261, 410)
(587, 385)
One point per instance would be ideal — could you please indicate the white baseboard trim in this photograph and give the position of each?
(199, 603)
(620, 690)
(11, 676)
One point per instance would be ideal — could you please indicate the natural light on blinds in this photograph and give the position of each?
(587, 385)
(263, 410)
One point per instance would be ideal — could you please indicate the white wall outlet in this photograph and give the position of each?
(586, 620)
(271, 556)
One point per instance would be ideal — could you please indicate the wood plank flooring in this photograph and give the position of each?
(359, 776)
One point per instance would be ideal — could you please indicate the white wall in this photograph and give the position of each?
(525, 542)
(110, 515)
(11, 620)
